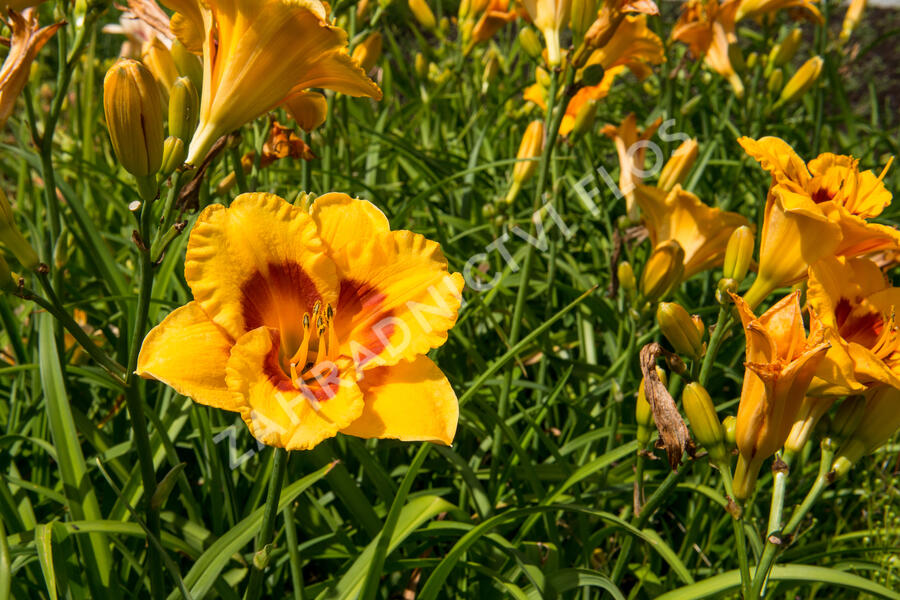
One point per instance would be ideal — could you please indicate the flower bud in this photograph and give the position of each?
(775, 81)
(158, 59)
(738, 254)
(189, 64)
(811, 411)
(626, 277)
(847, 418)
(784, 51)
(174, 155)
(729, 426)
(529, 149)
(12, 238)
(491, 69)
(679, 165)
(698, 407)
(184, 109)
(134, 117)
(421, 66)
(582, 14)
(691, 105)
(680, 330)
(63, 249)
(368, 52)
(805, 77)
(423, 14)
(751, 61)
(584, 119)
(530, 42)
(663, 270)
(852, 18)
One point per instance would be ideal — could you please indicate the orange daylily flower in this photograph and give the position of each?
(495, 15)
(780, 363)
(629, 141)
(257, 54)
(311, 323)
(702, 231)
(757, 9)
(610, 16)
(854, 304)
(25, 42)
(708, 29)
(812, 211)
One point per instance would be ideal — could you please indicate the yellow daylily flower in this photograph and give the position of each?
(259, 53)
(853, 303)
(549, 16)
(708, 30)
(757, 9)
(780, 363)
(701, 230)
(812, 211)
(25, 42)
(311, 323)
(631, 155)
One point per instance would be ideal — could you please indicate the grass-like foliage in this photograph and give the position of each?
(557, 484)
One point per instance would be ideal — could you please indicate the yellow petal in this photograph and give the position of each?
(777, 157)
(338, 71)
(276, 412)
(189, 31)
(259, 262)
(410, 401)
(308, 109)
(342, 220)
(189, 352)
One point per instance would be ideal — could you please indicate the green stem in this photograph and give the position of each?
(267, 531)
(53, 306)
(737, 522)
(770, 552)
(723, 324)
(290, 535)
(552, 119)
(638, 521)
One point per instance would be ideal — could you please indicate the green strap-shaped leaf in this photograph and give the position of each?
(731, 581)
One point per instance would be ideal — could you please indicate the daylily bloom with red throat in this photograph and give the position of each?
(708, 29)
(26, 41)
(780, 363)
(259, 53)
(311, 323)
(850, 299)
(701, 230)
(814, 210)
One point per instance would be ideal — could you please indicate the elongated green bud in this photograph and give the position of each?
(12, 238)
(775, 81)
(680, 330)
(188, 64)
(626, 277)
(705, 424)
(530, 42)
(805, 77)
(691, 105)
(663, 270)
(174, 155)
(134, 117)
(729, 426)
(184, 109)
(738, 254)
(582, 14)
(423, 14)
(783, 52)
